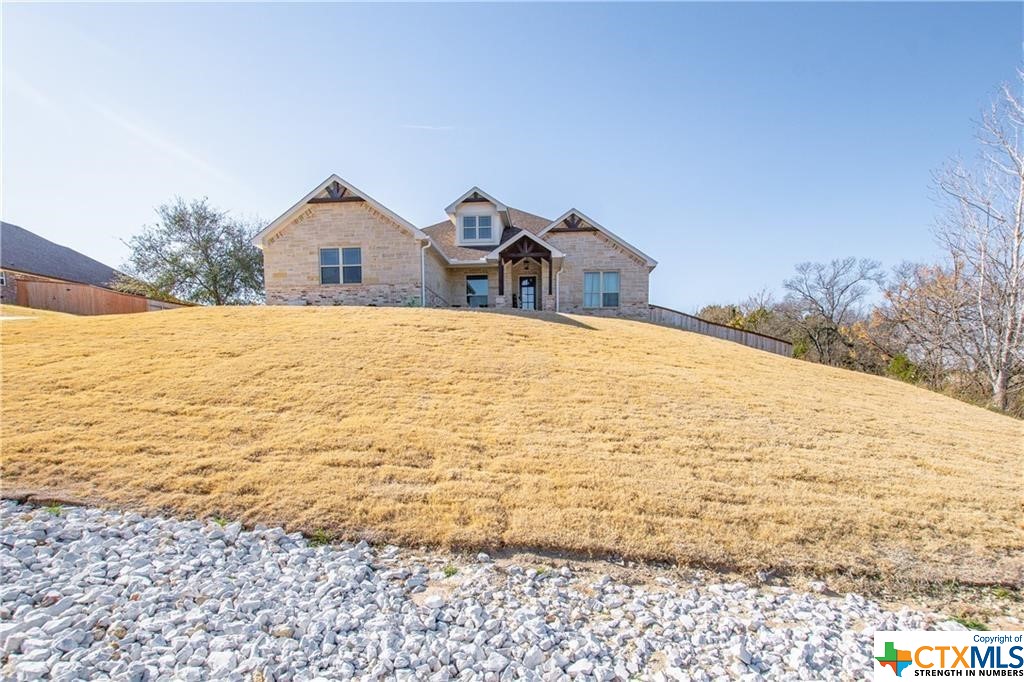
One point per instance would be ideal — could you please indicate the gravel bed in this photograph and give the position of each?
(91, 594)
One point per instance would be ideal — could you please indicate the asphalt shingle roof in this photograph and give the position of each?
(26, 251)
(443, 235)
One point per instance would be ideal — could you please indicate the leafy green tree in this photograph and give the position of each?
(759, 313)
(198, 253)
(720, 314)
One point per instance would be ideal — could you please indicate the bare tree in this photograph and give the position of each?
(916, 320)
(982, 233)
(825, 299)
(763, 314)
(764, 299)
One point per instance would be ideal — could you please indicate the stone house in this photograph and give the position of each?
(338, 246)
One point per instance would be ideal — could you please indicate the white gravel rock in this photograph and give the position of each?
(91, 594)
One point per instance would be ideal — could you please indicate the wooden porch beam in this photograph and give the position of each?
(524, 248)
(536, 254)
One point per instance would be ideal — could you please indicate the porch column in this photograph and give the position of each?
(500, 301)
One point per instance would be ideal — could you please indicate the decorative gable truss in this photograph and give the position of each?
(334, 193)
(574, 221)
(475, 195)
(525, 246)
(474, 198)
(332, 190)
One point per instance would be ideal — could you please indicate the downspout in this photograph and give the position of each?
(558, 279)
(423, 275)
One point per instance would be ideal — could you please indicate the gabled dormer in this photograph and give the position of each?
(478, 217)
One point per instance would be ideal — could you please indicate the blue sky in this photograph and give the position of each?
(729, 141)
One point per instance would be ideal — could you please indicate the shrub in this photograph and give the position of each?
(970, 623)
(900, 367)
(320, 537)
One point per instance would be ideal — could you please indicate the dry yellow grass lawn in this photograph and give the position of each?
(474, 430)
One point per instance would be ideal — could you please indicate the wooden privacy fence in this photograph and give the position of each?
(674, 318)
(78, 299)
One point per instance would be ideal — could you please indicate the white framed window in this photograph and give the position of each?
(476, 228)
(476, 291)
(3, 279)
(341, 266)
(600, 289)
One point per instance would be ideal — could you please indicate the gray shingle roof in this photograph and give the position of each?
(25, 251)
(443, 235)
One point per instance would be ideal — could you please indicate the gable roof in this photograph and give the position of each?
(474, 193)
(572, 212)
(323, 188)
(496, 251)
(442, 236)
(27, 252)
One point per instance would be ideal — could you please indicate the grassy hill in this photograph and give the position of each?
(476, 429)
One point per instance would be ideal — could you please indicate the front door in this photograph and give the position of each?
(528, 293)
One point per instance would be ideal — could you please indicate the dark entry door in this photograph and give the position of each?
(528, 293)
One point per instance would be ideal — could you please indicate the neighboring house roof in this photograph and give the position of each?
(573, 216)
(442, 236)
(326, 187)
(27, 252)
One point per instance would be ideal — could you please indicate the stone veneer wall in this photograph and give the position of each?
(390, 254)
(592, 250)
(391, 266)
(457, 284)
(9, 291)
(438, 284)
(584, 251)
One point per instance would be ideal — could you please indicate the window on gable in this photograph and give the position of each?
(341, 266)
(610, 289)
(351, 266)
(476, 228)
(476, 291)
(330, 267)
(600, 289)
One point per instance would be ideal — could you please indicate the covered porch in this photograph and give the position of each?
(526, 271)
